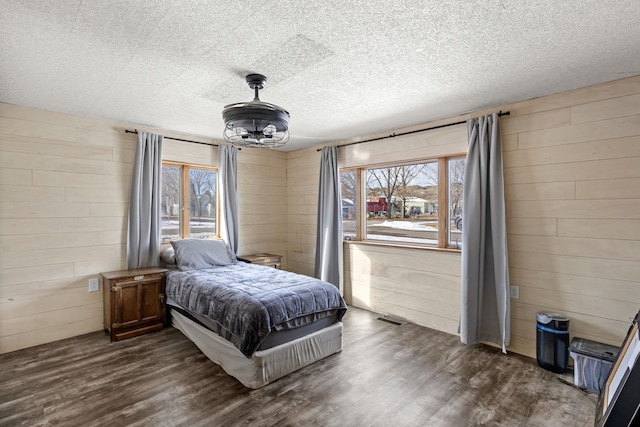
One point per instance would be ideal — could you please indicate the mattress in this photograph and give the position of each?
(247, 304)
(280, 334)
(264, 366)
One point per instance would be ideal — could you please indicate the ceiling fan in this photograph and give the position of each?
(256, 123)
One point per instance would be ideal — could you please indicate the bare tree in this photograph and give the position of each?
(403, 181)
(387, 180)
(170, 188)
(348, 183)
(202, 184)
(456, 185)
(406, 187)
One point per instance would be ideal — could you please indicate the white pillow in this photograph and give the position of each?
(193, 254)
(168, 255)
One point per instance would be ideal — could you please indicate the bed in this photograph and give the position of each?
(258, 323)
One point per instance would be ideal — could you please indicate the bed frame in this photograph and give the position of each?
(265, 366)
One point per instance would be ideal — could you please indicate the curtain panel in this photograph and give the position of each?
(328, 265)
(143, 234)
(229, 212)
(485, 310)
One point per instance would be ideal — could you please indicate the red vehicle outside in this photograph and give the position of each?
(377, 206)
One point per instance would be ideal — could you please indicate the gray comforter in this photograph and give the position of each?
(249, 300)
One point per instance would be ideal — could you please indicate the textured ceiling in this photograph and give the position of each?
(341, 68)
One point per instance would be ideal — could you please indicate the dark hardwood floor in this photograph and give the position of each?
(387, 375)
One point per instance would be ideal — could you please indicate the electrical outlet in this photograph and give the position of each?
(94, 285)
(515, 292)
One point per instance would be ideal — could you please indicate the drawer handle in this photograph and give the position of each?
(138, 277)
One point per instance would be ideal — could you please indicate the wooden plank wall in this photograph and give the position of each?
(64, 194)
(262, 190)
(572, 169)
(303, 174)
(419, 285)
(572, 176)
(422, 286)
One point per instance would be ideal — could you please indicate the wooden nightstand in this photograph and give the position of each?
(270, 260)
(134, 302)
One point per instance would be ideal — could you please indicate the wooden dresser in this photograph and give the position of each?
(134, 302)
(270, 260)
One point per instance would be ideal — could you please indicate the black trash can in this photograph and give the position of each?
(552, 341)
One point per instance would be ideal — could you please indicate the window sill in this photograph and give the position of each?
(400, 245)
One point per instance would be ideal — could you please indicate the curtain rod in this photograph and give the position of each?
(176, 139)
(393, 135)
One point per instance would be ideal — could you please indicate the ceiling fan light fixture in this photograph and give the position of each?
(256, 123)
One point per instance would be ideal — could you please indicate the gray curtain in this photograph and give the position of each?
(143, 238)
(229, 212)
(329, 231)
(485, 310)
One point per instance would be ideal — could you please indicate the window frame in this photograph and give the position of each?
(184, 197)
(447, 237)
(358, 214)
(443, 202)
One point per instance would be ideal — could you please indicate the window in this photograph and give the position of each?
(401, 203)
(455, 184)
(189, 201)
(349, 190)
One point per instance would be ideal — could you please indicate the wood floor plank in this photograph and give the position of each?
(387, 375)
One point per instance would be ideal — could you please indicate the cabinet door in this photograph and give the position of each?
(150, 303)
(137, 302)
(128, 304)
